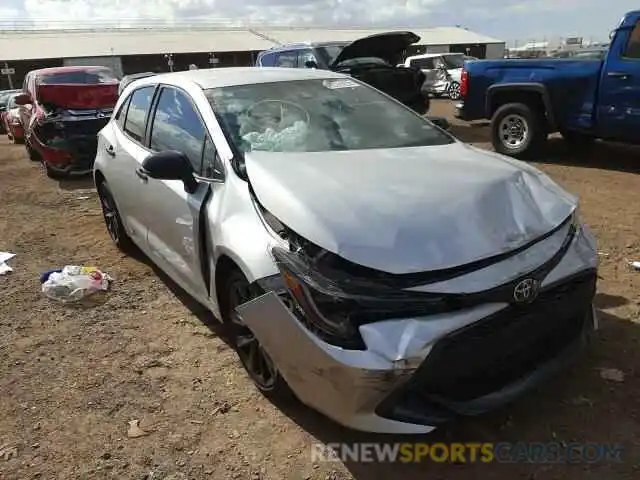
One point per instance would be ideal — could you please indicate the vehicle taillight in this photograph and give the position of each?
(464, 83)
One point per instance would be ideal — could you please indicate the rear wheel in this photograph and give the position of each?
(51, 173)
(454, 91)
(254, 358)
(112, 219)
(34, 156)
(518, 130)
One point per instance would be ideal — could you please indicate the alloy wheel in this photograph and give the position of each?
(253, 356)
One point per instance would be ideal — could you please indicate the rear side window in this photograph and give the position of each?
(287, 59)
(633, 45)
(137, 112)
(268, 60)
(177, 126)
(122, 112)
(424, 63)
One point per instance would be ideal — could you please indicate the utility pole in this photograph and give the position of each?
(8, 72)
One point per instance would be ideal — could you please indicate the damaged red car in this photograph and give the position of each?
(62, 110)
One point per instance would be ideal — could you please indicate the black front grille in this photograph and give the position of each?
(499, 350)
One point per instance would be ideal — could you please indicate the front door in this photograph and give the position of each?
(619, 102)
(175, 218)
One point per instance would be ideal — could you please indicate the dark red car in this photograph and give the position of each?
(10, 119)
(62, 110)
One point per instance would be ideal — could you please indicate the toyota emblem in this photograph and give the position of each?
(526, 291)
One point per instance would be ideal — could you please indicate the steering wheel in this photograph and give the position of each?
(283, 108)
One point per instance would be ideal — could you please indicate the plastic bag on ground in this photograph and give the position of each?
(73, 283)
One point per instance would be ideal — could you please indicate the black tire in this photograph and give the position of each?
(504, 133)
(112, 219)
(454, 91)
(256, 362)
(51, 173)
(34, 156)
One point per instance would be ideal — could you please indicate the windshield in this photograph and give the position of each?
(454, 61)
(85, 77)
(329, 52)
(317, 116)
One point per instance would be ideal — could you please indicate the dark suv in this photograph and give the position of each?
(372, 59)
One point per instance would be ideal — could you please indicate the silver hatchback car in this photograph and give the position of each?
(364, 260)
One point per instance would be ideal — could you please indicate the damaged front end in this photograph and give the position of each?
(67, 138)
(369, 350)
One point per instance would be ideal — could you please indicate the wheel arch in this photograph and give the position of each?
(535, 95)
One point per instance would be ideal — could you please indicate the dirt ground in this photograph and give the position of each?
(72, 378)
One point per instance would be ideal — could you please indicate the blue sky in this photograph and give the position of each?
(504, 19)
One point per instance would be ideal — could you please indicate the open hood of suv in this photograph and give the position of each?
(381, 45)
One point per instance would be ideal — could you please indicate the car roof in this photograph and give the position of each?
(54, 70)
(232, 76)
(294, 46)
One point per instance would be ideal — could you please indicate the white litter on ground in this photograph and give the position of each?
(4, 257)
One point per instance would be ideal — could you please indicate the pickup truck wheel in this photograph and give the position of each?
(517, 130)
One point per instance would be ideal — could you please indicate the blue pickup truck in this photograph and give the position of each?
(527, 100)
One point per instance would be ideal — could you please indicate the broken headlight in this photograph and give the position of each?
(334, 308)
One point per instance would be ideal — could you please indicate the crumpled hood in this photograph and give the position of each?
(412, 209)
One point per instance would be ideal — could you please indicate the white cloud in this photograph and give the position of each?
(507, 19)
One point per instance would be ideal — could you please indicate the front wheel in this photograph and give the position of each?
(518, 130)
(454, 91)
(254, 358)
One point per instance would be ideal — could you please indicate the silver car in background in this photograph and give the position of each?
(383, 272)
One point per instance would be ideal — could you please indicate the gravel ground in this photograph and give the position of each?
(71, 379)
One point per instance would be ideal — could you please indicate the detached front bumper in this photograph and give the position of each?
(67, 155)
(416, 373)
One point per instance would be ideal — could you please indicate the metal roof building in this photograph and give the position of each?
(72, 43)
(161, 48)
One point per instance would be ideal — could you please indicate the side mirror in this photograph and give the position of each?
(170, 165)
(23, 99)
(310, 64)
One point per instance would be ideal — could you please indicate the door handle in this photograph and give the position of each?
(620, 75)
(110, 150)
(142, 175)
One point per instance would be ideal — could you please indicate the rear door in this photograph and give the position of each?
(123, 144)
(619, 100)
(174, 217)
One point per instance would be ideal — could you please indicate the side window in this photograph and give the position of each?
(423, 63)
(633, 45)
(268, 60)
(121, 114)
(287, 59)
(177, 126)
(305, 56)
(134, 123)
(211, 164)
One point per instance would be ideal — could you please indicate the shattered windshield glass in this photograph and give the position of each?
(318, 115)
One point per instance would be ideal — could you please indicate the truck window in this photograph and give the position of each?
(633, 45)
